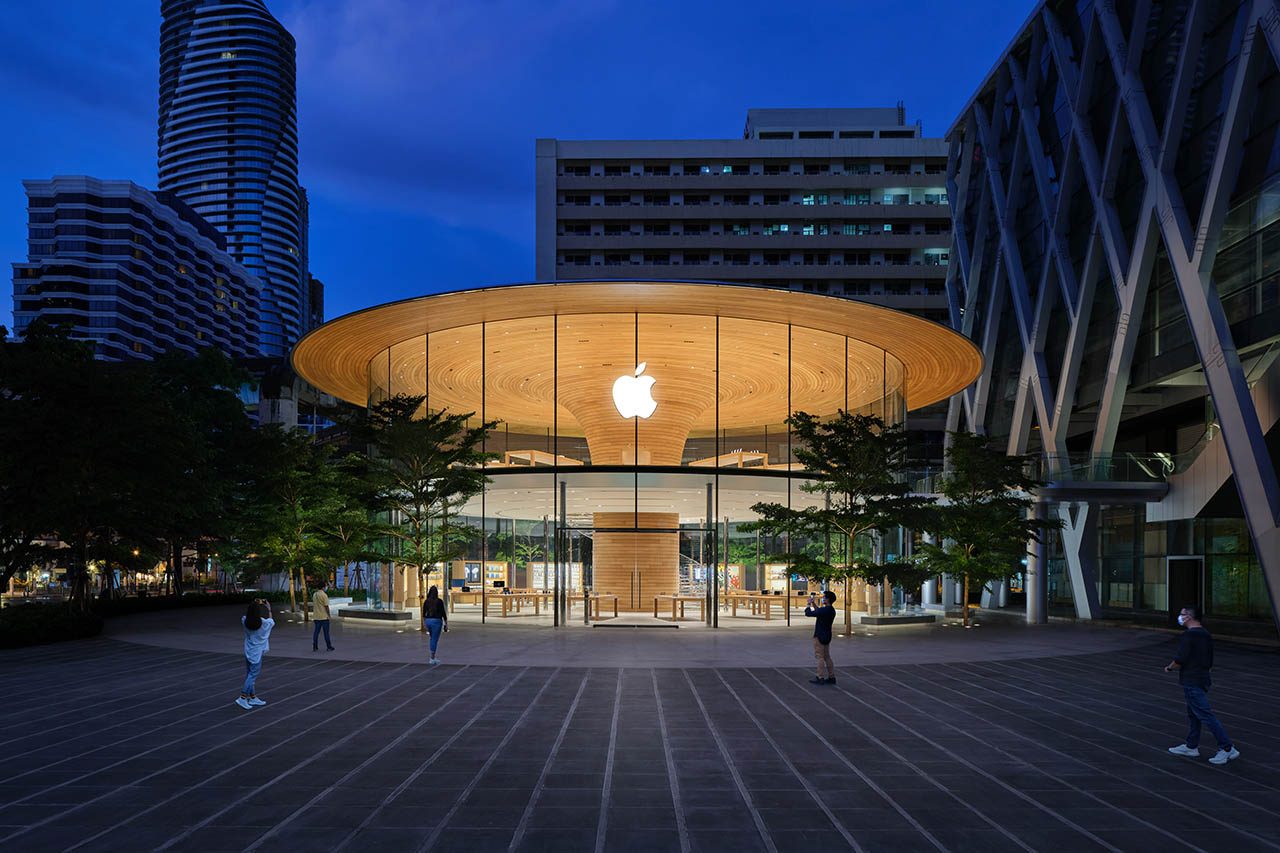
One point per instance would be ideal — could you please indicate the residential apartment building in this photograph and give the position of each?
(847, 202)
(138, 273)
(1116, 188)
(228, 146)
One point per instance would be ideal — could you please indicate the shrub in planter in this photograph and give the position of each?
(36, 623)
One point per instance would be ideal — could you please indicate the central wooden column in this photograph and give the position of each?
(636, 566)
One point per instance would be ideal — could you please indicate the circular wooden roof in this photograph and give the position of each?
(937, 361)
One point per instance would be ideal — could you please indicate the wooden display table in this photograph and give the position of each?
(456, 597)
(734, 459)
(765, 603)
(534, 458)
(596, 598)
(515, 601)
(680, 601)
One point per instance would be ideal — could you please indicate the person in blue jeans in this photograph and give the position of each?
(1193, 661)
(257, 624)
(434, 619)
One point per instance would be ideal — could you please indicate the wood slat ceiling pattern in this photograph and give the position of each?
(676, 336)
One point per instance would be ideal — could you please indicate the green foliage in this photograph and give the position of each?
(984, 525)
(860, 464)
(34, 623)
(422, 468)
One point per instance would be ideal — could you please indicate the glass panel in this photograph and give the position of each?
(753, 392)
(379, 380)
(519, 393)
(456, 371)
(409, 367)
(865, 379)
(593, 352)
(678, 353)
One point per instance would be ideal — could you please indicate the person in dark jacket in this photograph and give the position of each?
(825, 614)
(434, 619)
(1193, 661)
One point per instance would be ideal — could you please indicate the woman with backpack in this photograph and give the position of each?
(257, 624)
(434, 619)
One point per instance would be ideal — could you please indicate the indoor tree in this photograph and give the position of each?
(858, 465)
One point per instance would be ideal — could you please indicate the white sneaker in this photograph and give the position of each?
(1183, 749)
(1223, 756)
(256, 701)
(244, 703)
(433, 661)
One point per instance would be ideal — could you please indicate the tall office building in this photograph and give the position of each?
(228, 145)
(137, 273)
(847, 202)
(1116, 190)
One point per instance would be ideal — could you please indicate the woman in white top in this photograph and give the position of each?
(257, 623)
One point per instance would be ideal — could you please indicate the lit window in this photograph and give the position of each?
(228, 54)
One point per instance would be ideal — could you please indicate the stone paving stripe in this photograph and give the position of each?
(493, 756)
(315, 756)
(273, 721)
(602, 823)
(419, 771)
(133, 757)
(540, 785)
(733, 769)
(898, 722)
(682, 826)
(800, 776)
(97, 734)
(930, 700)
(1163, 683)
(1149, 747)
(1103, 767)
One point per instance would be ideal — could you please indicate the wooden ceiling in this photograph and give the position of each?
(600, 338)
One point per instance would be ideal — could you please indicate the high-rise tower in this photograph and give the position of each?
(228, 144)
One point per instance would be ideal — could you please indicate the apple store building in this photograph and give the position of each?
(637, 424)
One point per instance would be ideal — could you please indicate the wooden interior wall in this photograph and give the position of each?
(656, 555)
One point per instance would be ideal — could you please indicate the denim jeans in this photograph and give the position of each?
(315, 634)
(252, 668)
(434, 627)
(1198, 713)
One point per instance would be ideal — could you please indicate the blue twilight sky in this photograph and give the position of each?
(417, 117)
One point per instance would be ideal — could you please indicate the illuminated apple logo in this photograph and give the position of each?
(633, 395)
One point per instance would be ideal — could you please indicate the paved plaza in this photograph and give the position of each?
(933, 739)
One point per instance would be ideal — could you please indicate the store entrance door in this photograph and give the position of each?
(658, 567)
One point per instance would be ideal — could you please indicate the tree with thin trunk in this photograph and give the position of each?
(286, 511)
(858, 464)
(983, 525)
(423, 467)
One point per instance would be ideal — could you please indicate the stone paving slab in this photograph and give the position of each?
(692, 646)
(120, 746)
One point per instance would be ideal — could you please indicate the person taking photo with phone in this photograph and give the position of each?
(257, 624)
(825, 614)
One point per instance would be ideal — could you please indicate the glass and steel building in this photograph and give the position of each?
(138, 273)
(1115, 184)
(638, 422)
(228, 145)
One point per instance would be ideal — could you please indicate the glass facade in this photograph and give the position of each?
(630, 447)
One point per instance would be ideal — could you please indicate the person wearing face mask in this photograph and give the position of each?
(1193, 661)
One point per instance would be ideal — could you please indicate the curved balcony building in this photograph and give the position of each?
(228, 144)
